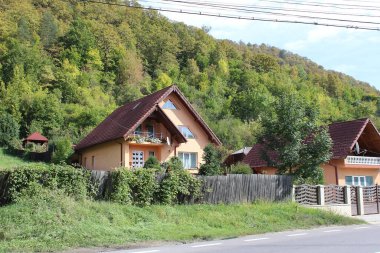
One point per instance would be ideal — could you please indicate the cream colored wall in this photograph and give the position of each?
(182, 116)
(107, 156)
(349, 170)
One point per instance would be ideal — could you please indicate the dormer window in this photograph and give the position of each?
(186, 132)
(169, 105)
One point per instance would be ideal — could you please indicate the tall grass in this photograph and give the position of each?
(53, 221)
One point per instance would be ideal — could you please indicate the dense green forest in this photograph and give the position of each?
(65, 65)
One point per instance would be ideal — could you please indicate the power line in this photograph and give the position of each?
(262, 7)
(224, 7)
(317, 4)
(234, 16)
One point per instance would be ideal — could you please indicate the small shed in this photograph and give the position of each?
(237, 156)
(36, 138)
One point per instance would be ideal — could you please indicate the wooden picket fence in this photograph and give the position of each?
(233, 188)
(246, 188)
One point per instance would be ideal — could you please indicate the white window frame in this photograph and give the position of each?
(181, 127)
(186, 166)
(361, 180)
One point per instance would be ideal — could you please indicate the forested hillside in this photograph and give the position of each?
(65, 65)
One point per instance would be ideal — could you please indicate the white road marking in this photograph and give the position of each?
(298, 234)
(256, 239)
(206, 245)
(361, 228)
(147, 251)
(330, 231)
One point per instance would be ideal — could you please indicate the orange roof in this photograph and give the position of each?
(36, 136)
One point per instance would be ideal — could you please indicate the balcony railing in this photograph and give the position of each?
(363, 160)
(141, 137)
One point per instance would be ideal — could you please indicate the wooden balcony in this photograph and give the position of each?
(148, 137)
(362, 160)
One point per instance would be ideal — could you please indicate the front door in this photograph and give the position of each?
(137, 159)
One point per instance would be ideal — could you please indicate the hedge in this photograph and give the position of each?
(140, 187)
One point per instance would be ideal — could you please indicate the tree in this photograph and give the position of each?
(213, 160)
(300, 144)
(48, 30)
(62, 150)
(9, 129)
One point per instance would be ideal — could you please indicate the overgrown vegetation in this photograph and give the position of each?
(240, 168)
(65, 65)
(293, 141)
(45, 220)
(138, 187)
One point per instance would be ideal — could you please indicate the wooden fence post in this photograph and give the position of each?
(321, 195)
(360, 200)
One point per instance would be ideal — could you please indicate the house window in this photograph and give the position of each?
(85, 162)
(93, 162)
(150, 130)
(152, 154)
(189, 160)
(169, 105)
(186, 132)
(138, 130)
(359, 180)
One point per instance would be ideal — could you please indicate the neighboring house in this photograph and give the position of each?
(355, 155)
(162, 124)
(237, 156)
(35, 138)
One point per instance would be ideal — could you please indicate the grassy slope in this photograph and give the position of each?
(62, 223)
(8, 161)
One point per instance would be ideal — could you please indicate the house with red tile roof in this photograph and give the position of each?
(355, 154)
(163, 124)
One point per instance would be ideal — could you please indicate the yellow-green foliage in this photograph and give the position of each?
(65, 65)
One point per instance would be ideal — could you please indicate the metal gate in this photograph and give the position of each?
(370, 199)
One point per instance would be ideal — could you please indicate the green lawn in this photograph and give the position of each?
(8, 161)
(58, 223)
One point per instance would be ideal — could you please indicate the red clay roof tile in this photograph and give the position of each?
(121, 122)
(343, 135)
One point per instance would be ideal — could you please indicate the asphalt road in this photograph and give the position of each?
(355, 239)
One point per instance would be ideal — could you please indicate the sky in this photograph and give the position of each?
(351, 51)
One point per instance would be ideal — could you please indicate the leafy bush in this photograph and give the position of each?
(9, 129)
(152, 163)
(120, 191)
(213, 160)
(240, 168)
(174, 164)
(62, 150)
(73, 182)
(143, 185)
(178, 187)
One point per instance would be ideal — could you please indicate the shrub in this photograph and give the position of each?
(240, 168)
(213, 159)
(73, 182)
(178, 187)
(143, 185)
(152, 163)
(9, 129)
(62, 150)
(119, 191)
(174, 164)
